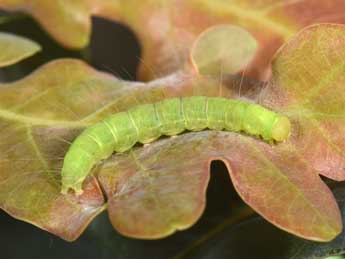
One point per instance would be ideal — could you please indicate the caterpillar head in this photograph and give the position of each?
(281, 129)
(71, 180)
(74, 170)
(76, 187)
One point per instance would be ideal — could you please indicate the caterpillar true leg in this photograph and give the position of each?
(145, 123)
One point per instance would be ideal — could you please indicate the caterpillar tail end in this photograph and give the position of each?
(281, 129)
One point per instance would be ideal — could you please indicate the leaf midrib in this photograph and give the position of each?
(299, 192)
(13, 116)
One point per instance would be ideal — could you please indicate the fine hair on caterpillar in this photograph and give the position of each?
(145, 123)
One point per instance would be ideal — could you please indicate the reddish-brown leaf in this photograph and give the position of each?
(150, 194)
(309, 86)
(41, 114)
(167, 29)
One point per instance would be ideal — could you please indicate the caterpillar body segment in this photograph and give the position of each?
(145, 123)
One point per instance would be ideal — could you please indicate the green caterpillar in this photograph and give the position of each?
(145, 123)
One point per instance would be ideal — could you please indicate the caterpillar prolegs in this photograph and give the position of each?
(145, 123)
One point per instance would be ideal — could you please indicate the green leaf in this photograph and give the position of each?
(14, 48)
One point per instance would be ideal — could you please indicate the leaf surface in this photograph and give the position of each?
(242, 240)
(14, 48)
(39, 117)
(304, 249)
(308, 86)
(149, 194)
(223, 49)
(35, 131)
(171, 196)
(280, 182)
(167, 29)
